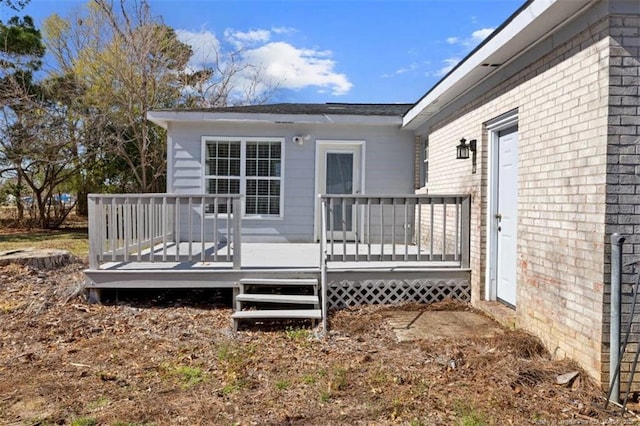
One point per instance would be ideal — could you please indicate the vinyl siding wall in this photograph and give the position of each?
(387, 152)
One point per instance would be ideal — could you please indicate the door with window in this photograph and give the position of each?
(339, 169)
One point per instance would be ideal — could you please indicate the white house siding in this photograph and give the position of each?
(387, 152)
(560, 90)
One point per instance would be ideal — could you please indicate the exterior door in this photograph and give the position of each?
(507, 216)
(339, 173)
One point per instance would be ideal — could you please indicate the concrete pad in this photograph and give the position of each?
(434, 325)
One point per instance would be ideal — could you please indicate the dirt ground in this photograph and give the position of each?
(171, 358)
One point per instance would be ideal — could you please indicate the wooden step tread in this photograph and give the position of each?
(279, 298)
(278, 314)
(279, 281)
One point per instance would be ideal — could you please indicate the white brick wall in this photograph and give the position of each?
(562, 101)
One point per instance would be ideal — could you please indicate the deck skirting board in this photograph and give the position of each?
(398, 289)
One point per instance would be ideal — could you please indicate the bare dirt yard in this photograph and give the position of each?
(171, 358)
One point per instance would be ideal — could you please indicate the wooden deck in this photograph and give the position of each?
(133, 245)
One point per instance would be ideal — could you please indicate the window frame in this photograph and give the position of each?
(424, 151)
(244, 140)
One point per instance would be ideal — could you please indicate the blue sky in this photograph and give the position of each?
(372, 51)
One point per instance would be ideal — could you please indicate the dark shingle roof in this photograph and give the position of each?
(313, 109)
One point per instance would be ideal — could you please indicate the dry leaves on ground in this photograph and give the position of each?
(171, 358)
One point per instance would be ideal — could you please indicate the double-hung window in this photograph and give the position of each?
(248, 166)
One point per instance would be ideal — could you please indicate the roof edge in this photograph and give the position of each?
(452, 85)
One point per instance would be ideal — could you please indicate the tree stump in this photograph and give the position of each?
(40, 259)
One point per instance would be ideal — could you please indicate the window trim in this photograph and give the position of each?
(424, 169)
(243, 171)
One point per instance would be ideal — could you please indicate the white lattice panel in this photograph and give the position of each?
(349, 293)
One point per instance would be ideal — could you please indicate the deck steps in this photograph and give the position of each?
(278, 298)
(275, 299)
(279, 314)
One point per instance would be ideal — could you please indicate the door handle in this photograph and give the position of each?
(498, 216)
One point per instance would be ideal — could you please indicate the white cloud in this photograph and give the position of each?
(280, 63)
(449, 64)
(203, 43)
(480, 35)
(284, 30)
(473, 40)
(294, 68)
(250, 38)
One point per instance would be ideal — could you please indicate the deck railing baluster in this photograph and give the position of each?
(368, 229)
(331, 226)
(418, 225)
(139, 231)
(344, 229)
(406, 227)
(153, 227)
(381, 228)
(444, 229)
(190, 226)
(457, 230)
(164, 229)
(431, 231)
(357, 227)
(393, 228)
(112, 229)
(176, 227)
(229, 240)
(203, 206)
(215, 229)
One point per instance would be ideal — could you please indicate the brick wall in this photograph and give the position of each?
(562, 101)
(623, 165)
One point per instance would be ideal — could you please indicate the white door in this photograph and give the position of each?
(339, 173)
(507, 216)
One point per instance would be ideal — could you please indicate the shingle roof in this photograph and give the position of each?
(313, 109)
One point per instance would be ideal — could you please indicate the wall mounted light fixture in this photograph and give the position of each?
(301, 139)
(464, 149)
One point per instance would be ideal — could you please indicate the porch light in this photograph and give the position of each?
(463, 150)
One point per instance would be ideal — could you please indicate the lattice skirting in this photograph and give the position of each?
(366, 292)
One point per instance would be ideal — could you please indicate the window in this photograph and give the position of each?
(251, 166)
(425, 161)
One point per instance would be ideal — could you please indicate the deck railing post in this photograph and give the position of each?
(465, 231)
(237, 233)
(323, 266)
(96, 234)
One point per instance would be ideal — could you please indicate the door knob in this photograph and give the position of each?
(499, 216)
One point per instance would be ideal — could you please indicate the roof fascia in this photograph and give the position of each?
(465, 75)
(163, 118)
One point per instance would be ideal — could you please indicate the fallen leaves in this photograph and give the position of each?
(171, 358)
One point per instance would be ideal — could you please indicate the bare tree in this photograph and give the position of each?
(129, 63)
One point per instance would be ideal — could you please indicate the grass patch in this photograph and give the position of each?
(297, 334)
(188, 376)
(75, 241)
(468, 414)
(84, 421)
(282, 384)
(100, 402)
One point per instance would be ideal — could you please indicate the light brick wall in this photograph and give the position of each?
(562, 101)
(623, 183)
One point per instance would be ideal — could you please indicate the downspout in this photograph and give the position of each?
(614, 328)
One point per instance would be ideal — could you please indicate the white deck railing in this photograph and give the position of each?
(397, 228)
(164, 228)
